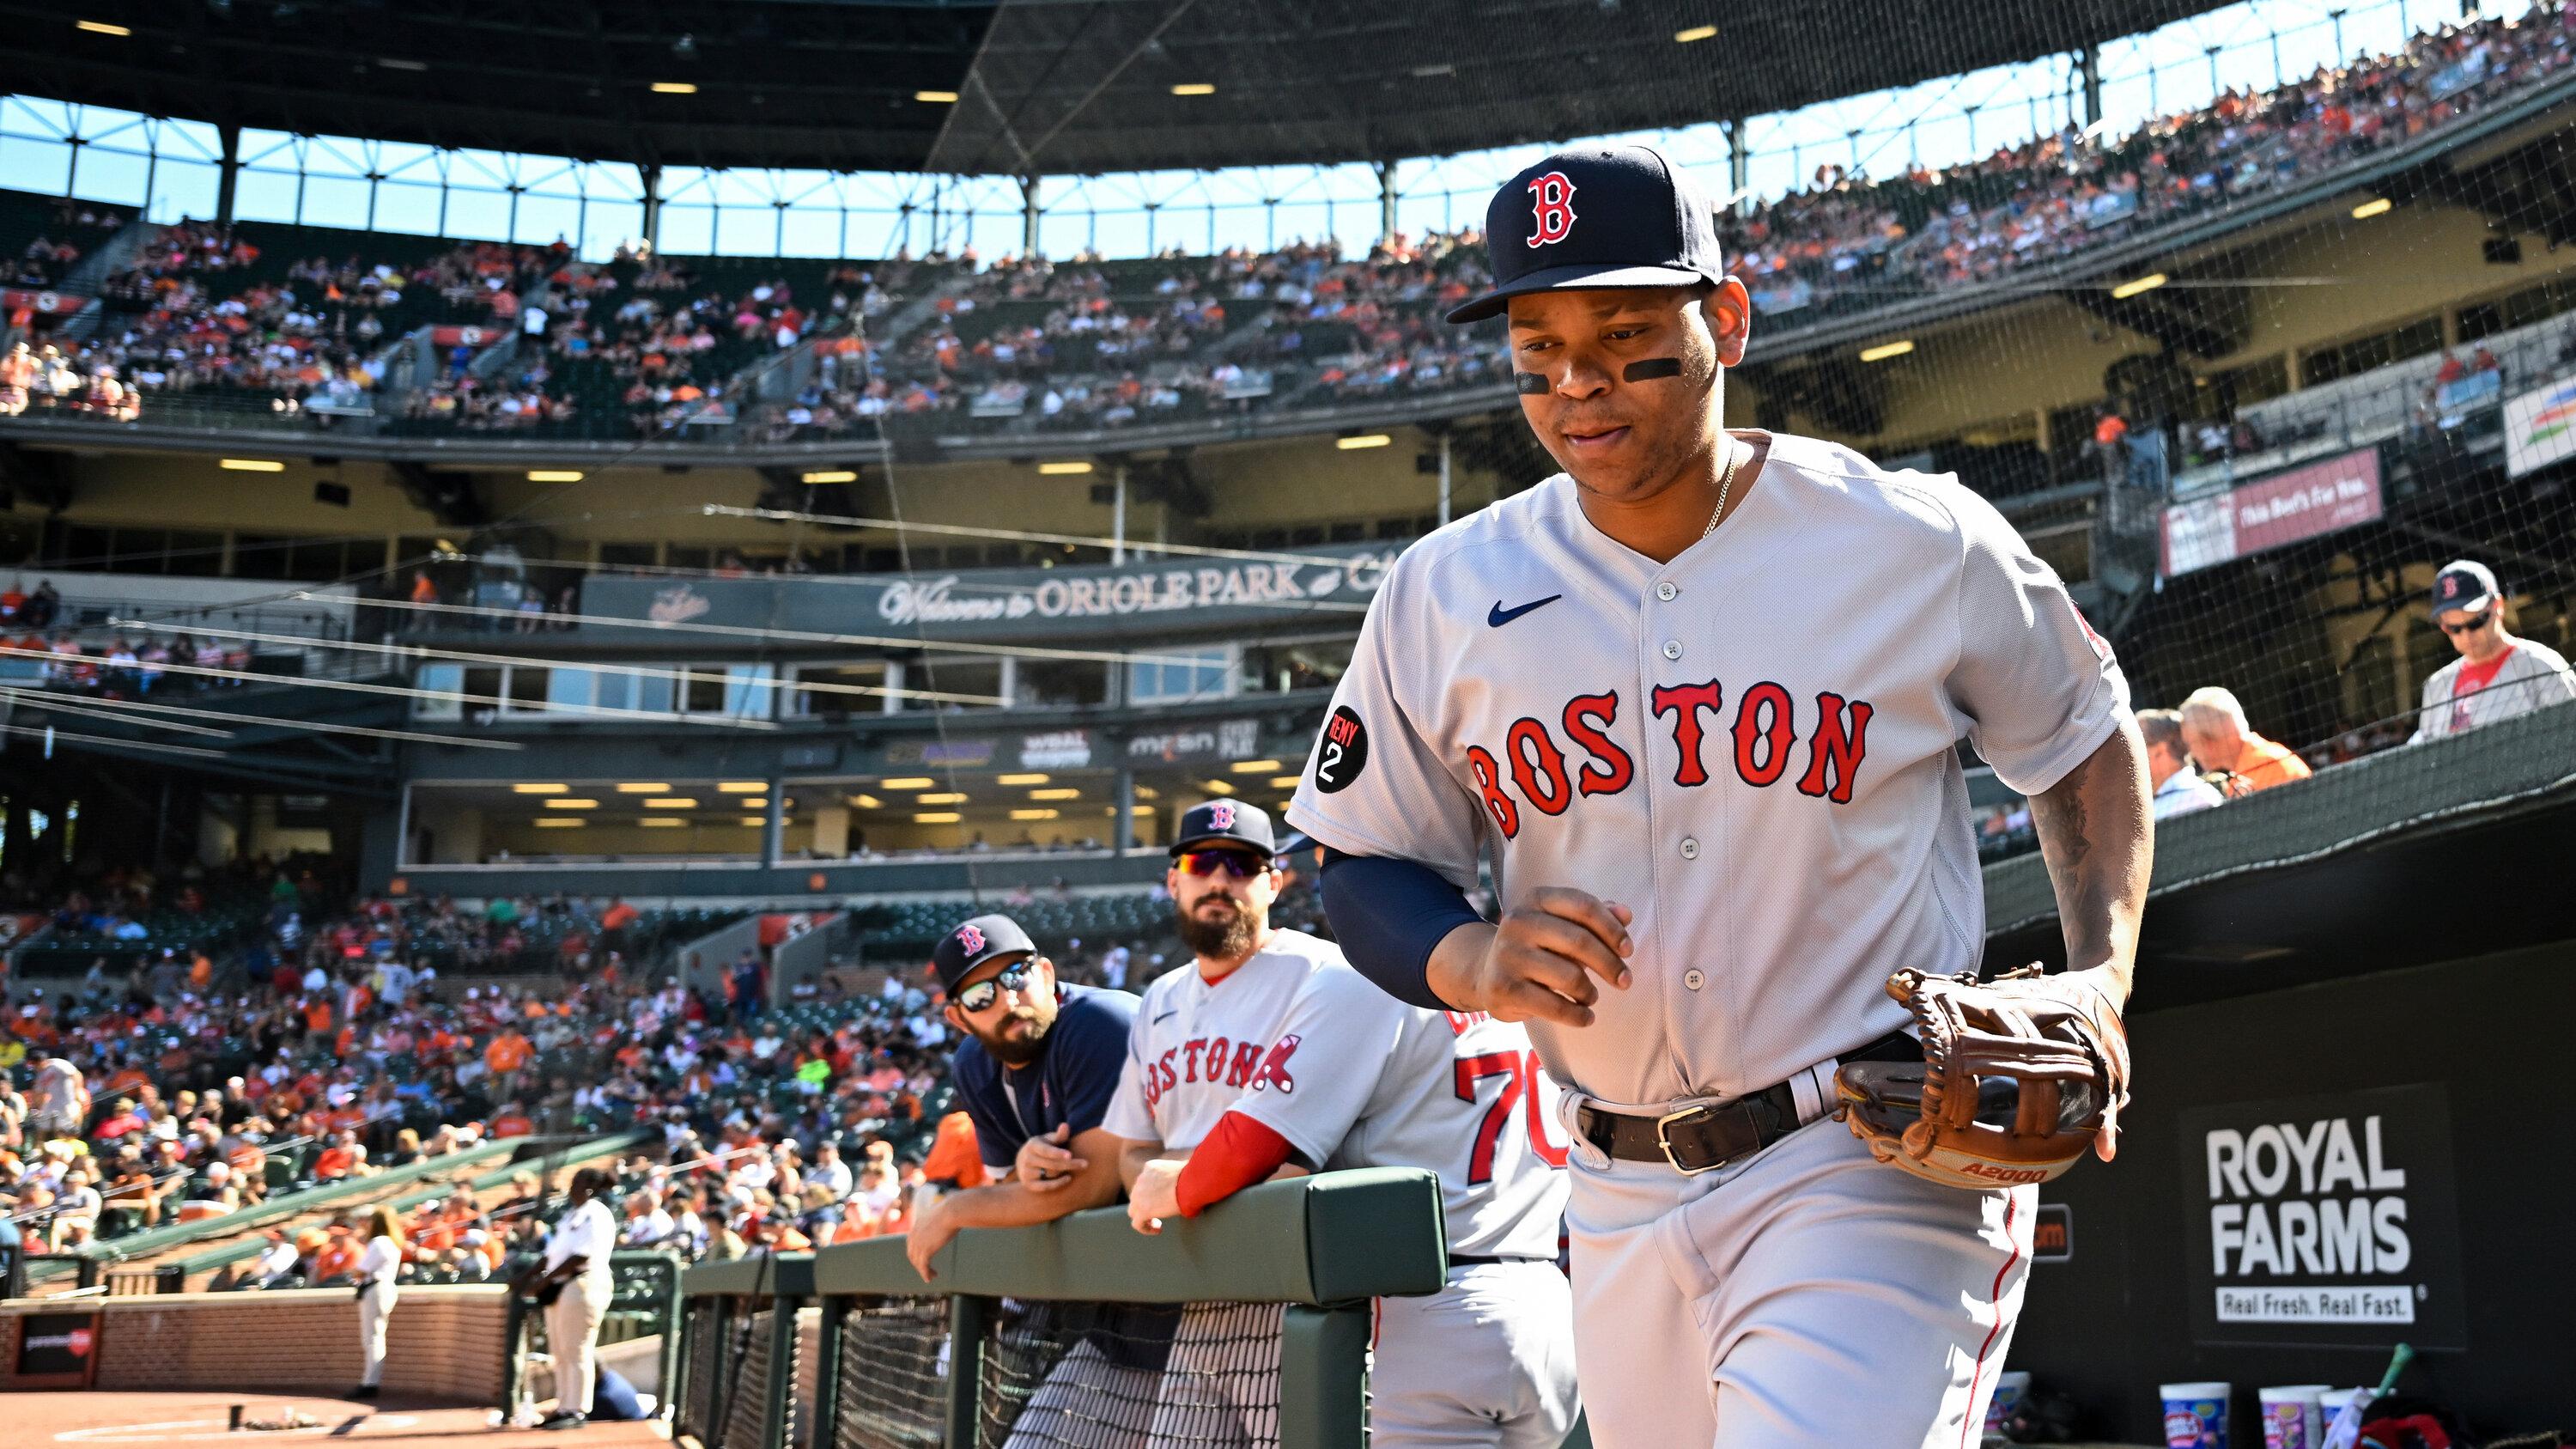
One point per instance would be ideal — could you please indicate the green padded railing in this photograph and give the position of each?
(1324, 1246)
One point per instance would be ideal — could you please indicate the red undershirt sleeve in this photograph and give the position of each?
(1236, 1154)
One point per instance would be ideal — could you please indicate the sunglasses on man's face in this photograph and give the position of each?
(2469, 625)
(985, 992)
(1233, 862)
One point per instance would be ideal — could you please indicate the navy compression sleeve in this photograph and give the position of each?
(1388, 915)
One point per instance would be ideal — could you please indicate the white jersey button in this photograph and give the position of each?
(1672, 649)
(1693, 979)
(1666, 590)
(1690, 847)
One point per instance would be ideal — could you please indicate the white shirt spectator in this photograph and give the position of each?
(834, 1176)
(380, 1263)
(653, 1227)
(586, 1232)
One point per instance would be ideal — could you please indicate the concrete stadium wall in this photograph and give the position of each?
(443, 1341)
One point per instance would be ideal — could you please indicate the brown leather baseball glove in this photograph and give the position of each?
(2020, 1076)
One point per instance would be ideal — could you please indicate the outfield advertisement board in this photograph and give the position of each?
(2540, 428)
(2302, 503)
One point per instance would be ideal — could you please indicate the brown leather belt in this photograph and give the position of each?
(1703, 1139)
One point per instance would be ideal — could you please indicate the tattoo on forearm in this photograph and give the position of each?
(2095, 836)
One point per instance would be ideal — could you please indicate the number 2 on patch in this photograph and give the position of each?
(1520, 1072)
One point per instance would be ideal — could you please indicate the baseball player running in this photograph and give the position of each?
(1268, 1054)
(1698, 695)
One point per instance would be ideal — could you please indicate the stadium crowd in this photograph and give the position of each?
(1088, 343)
(202, 1079)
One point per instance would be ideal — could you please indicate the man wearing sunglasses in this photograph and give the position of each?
(1038, 1063)
(1036, 1070)
(2497, 675)
(1268, 1056)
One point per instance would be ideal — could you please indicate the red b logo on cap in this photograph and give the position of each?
(970, 937)
(1552, 197)
(1221, 815)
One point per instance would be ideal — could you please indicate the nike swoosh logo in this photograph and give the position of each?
(1499, 616)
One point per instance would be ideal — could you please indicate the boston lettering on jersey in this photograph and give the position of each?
(1542, 776)
(1238, 1064)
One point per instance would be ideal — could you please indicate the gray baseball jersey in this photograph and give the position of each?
(1298, 1041)
(2533, 676)
(1751, 746)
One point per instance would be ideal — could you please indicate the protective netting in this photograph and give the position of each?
(893, 1379)
(2514, 761)
(754, 1370)
(702, 1367)
(1064, 1375)
(1073, 1374)
(727, 1369)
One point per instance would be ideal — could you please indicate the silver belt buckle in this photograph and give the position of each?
(1664, 1140)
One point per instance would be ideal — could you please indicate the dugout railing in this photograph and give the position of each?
(1250, 1323)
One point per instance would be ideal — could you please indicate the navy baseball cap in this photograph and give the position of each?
(974, 943)
(1226, 822)
(1597, 216)
(2466, 585)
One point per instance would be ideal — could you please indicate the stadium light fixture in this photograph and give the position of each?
(910, 782)
(1285, 782)
(394, 63)
(1362, 440)
(832, 475)
(675, 88)
(743, 787)
(2376, 206)
(1255, 767)
(937, 817)
(1217, 787)
(101, 27)
(1148, 792)
(1035, 814)
(1695, 33)
(2147, 283)
(531, 787)
(632, 788)
(755, 821)
(554, 475)
(942, 797)
(562, 822)
(675, 802)
(661, 822)
(251, 465)
(1030, 779)
(572, 804)
(1060, 792)
(758, 802)
(866, 802)
(1065, 469)
(936, 98)
(1194, 88)
(1886, 350)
